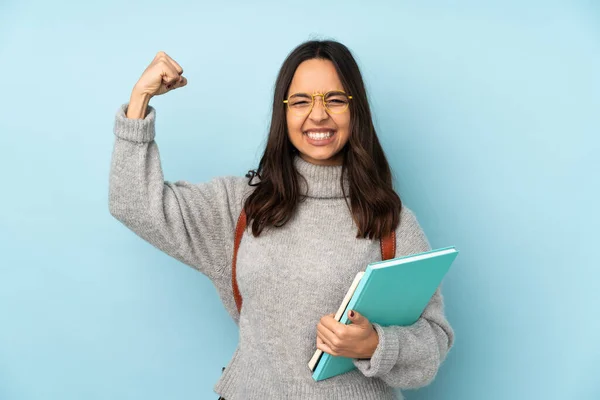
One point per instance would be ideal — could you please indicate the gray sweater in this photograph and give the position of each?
(289, 277)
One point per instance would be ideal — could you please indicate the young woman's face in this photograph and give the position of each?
(320, 135)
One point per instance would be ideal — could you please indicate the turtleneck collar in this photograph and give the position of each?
(323, 180)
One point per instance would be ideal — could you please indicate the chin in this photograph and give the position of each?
(322, 158)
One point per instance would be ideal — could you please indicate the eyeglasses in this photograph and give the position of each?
(301, 104)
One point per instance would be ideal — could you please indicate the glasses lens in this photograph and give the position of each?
(300, 103)
(337, 102)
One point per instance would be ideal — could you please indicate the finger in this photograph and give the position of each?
(327, 336)
(330, 323)
(169, 76)
(357, 319)
(177, 67)
(319, 339)
(158, 56)
(324, 347)
(168, 68)
(182, 81)
(161, 55)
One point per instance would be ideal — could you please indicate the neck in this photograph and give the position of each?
(321, 181)
(338, 159)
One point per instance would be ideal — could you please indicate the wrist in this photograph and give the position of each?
(371, 344)
(138, 105)
(138, 93)
(375, 337)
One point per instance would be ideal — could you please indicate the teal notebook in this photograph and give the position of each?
(391, 292)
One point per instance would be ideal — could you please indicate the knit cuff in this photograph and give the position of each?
(135, 130)
(385, 355)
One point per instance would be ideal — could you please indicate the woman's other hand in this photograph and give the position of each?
(357, 340)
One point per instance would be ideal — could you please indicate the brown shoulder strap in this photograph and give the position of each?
(239, 232)
(387, 244)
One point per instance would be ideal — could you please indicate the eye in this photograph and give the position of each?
(337, 99)
(299, 103)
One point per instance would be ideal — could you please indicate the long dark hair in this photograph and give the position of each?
(374, 204)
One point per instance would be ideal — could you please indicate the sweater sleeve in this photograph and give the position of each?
(193, 223)
(409, 357)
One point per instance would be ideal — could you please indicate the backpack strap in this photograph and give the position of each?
(387, 245)
(239, 232)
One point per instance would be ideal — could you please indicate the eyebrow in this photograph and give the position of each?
(301, 95)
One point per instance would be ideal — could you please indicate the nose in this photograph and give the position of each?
(318, 112)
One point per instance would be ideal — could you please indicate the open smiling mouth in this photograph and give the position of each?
(319, 136)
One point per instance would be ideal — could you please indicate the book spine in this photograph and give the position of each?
(364, 282)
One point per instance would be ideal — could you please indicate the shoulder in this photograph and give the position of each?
(236, 187)
(408, 218)
(234, 190)
(410, 237)
(219, 194)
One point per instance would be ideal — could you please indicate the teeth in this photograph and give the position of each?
(319, 135)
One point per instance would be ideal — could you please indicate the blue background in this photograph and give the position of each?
(489, 115)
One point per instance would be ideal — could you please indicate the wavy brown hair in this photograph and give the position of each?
(374, 204)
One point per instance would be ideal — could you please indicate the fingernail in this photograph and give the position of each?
(352, 313)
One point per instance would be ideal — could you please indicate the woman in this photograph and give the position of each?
(318, 205)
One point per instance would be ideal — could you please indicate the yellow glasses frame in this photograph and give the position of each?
(312, 104)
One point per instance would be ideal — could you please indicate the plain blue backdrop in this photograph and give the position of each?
(489, 114)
